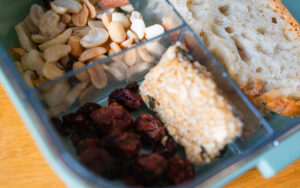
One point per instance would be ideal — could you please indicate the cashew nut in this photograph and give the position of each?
(65, 18)
(81, 31)
(61, 26)
(95, 37)
(127, 8)
(35, 13)
(106, 20)
(130, 57)
(52, 71)
(48, 24)
(153, 31)
(18, 53)
(98, 76)
(120, 17)
(138, 26)
(74, 93)
(70, 6)
(145, 54)
(82, 76)
(55, 52)
(132, 35)
(57, 94)
(135, 72)
(60, 39)
(33, 61)
(80, 18)
(92, 8)
(28, 76)
(76, 48)
(18, 66)
(95, 24)
(91, 53)
(24, 37)
(117, 32)
(117, 69)
(155, 48)
(38, 38)
(30, 26)
(127, 43)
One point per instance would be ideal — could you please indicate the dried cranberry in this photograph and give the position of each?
(180, 170)
(88, 108)
(123, 144)
(166, 148)
(47, 3)
(100, 161)
(126, 98)
(148, 169)
(79, 135)
(150, 128)
(59, 126)
(112, 118)
(76, 121)
(87, 143)
(134, 87)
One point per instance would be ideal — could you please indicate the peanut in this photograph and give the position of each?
(117, 32)
(98, 76)
(92, 9)
(82, 76)
(91, 53)
(76, 48)
(80, 18)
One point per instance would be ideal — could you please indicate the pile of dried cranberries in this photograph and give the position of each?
(109, 142)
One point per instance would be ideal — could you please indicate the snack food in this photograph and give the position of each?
(258, 42)
(187, 101)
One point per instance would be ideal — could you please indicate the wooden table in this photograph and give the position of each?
(22, 165)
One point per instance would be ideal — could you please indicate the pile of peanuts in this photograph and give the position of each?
(73, 33)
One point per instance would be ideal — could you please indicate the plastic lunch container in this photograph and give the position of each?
(270, 144)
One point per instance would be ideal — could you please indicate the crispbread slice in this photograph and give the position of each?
(257, 41)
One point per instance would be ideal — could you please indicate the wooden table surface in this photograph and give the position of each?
(22, 165)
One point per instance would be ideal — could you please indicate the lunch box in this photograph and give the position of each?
(268, 143)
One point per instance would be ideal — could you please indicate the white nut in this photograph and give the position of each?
(24, 37)
(81, 31)
(91, 7)
(91, 53)
(52, 71)
(127, 43)
(106, 19)
(28, 76)
(155, 48)
(98, 76)
(145, 54)
(74, 93)
(96, 24)
(76, 48)
(65, 18)
(135, 15)
(138, 27)
(38, 38)
(82, 76)
(57, 94)
(35, 13)
(55, 52)
(117, 32)
(95, 37)
(117, 69)
(154, 31)
(131, 35)
(135, 72)
(80, 18)
(70, 6)
(33, 61)
(127, 8)
(120, 17)
(48, 24)
(130, 57)
(60, 39)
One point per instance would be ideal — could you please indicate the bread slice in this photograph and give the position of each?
(188, 102)
(257, 41)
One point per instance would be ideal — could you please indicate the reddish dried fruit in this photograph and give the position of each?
(76, 121)
(148, 169)
(100, 161)
(123, 144)
(60, 127)
(79, 135)
(87, 143)
(126, 98)
(167, 148)
(150, 128)
(134, 87)
(88, 108)
(112, 118)
(180, 170)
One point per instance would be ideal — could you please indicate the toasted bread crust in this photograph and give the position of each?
(286, 16)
